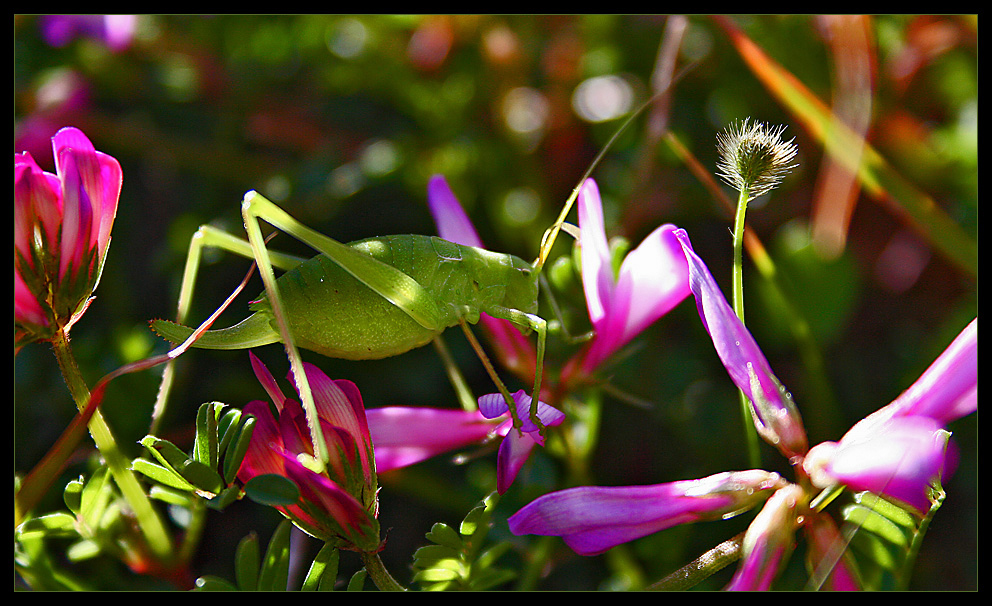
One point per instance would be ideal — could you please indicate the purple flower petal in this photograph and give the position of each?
(514, 451)
(594, 519)
(946, 391)
(449, 216)
(405, 435)
(769, 541)
(901, 459)
(493, 405)
(827, 555)
(775, 414)
(651, 281)
(516, 445)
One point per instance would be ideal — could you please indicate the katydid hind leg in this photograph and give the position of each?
(207, 236)
(263, 259)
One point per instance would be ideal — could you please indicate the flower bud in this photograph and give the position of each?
(62, 225)
(338, 501)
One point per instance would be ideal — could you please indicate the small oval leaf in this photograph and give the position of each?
(273, 490)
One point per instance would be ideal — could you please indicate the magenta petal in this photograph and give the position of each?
(26, 307)
(345, 510)
(946, 391)
(827, 555)
(899, 460)
(100, 177)
(769, 541)
(266, 442)
(267, 380)
(406, 435)
(77, 217)
(514, 451)
(776, 417)
(449, 216)
(593, 519)
(655, 277)
(493, 405)
(338, 402)
(598, 281)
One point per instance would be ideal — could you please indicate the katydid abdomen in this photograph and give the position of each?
(331, 312)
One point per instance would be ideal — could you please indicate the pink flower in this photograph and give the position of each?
(900, 451)
(116, 31)
(62, 226)
(652, 279)
(338, 503)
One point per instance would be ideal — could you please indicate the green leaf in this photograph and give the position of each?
(488, 557)
(224, 498)
(204, 478)
(83, 550)
(50, 525)
(881, 538)
(227, 426)
(234, 454)
(451, 563)
(246, 563)
(324, 570)
(357, 582)
(490, 578)
(433, 553)
(442, 534)
(273, 490)
(73, 495)
(167, 453)
(274, 574)
(205, 443)
(433, 575)
(95, 497)
(172, 496)
(473, 520)
(164, 475)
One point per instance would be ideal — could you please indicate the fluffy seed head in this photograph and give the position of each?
(753, 157)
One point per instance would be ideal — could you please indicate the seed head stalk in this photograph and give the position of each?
(753, 159)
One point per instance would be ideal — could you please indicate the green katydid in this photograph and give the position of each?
(374, 298)
(370, 299)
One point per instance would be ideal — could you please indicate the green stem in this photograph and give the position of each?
(750, 432)
(380, 576)
(914, 547)
(703, 567)
(151, 525)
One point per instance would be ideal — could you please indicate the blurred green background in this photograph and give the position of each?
(342, 120)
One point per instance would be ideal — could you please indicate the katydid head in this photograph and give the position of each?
(521, 286)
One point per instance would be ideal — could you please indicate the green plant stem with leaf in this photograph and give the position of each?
(155, 534)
